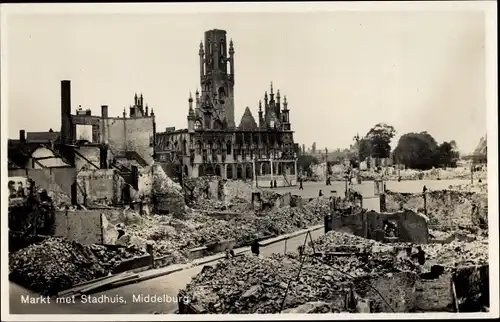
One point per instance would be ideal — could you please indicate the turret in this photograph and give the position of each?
(231, 57)
(191, 116)
(201, 52)
(197, 96)
(271, 94)
(285, 116)
(261, 118)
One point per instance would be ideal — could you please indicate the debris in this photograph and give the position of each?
(57, 264)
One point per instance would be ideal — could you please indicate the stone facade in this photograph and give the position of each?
(212, 144)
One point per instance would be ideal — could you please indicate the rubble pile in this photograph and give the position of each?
(458, 253)
(196, 229)
(57, 264)
(447, 209)
(257, 285)
(475, 187)
(197, 189)
(167, 195)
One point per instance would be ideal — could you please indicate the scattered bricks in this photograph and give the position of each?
(445, 208)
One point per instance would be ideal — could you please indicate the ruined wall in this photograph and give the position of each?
(102, 186)
(237, 189)
(54, 179)
(355, 224)
(51, 162)
(445, 208)
(130, 134)
(90, 153)
(82, 226)
(412, 227)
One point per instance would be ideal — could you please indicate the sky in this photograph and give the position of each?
(342, 72)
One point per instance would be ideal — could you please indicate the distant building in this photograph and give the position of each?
(213, 144)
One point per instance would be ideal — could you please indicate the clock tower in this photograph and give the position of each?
(217, 81)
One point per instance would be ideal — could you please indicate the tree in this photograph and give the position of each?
(306, 161)
(365, 149)
(445, 156)
(421, 151)
(416, 150)
(379, 138)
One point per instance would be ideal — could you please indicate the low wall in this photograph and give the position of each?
(265, 181)
(133, 263)
(445, 208)
(82, 226)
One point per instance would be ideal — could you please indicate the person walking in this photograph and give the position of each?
(320, 193)
(300, 184)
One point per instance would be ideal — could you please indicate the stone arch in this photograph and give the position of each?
(249, 171)
(239, 172)
(280, 168)
(201, 170)
(218, 171)
(229, 171)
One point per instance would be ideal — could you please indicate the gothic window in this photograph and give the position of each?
(197, 125)
(222, 46)
(217, 124)
(207, 120)
(198, 147)
(222, 92)
(184, 147)
(228, 147)
(209, 46)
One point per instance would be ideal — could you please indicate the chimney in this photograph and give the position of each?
(104, 111)
(66, 124)
(22, 136)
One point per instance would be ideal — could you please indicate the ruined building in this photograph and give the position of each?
(88, 141)
(213, 144)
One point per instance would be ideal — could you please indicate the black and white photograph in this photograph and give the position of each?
(221, 161)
